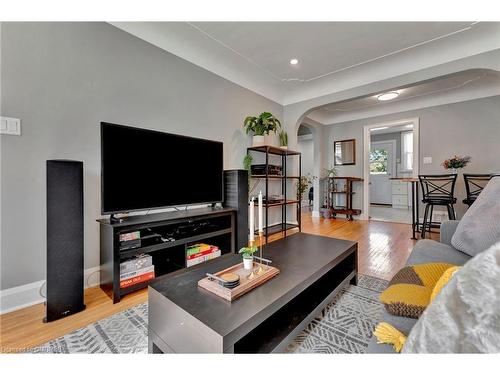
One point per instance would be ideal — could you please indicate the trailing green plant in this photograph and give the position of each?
(303, 184)
(247, 164)
(248, 251)
(283, 135)
(331, 171)
(262, 124)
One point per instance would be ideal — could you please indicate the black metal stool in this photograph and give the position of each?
(437, 190)
(474, 185)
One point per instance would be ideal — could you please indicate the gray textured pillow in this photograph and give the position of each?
(465, 315)
(480, 226)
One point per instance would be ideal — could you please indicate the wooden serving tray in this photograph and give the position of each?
(246, 284)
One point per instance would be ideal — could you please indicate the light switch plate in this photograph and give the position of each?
(427, 159)
(10, 126)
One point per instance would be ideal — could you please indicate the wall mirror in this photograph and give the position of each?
(345, 152)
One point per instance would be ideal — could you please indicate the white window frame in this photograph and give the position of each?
(404, 152)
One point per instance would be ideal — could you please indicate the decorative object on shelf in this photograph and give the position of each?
(303, 184)
(344, 152)
(283, 135)
(331, 172)
(455, 163)
(260, 125)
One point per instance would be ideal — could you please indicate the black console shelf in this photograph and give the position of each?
(211, 225)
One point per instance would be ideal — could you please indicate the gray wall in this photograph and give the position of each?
(62, 80)
(466, 128)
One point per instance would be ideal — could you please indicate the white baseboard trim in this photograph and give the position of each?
(16, 298)
(315, 214)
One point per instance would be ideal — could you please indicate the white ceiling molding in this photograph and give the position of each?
(333, 56)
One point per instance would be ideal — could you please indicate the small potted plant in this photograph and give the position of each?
(456, 163)
(331, 172)
(283, 139)
(260, 125)
(303, 184)
(247, 253)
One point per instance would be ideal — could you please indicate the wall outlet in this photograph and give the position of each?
(10, 126)
(427, 159)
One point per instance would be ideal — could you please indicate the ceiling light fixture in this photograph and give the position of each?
(388, 96)
(294, 62)
(382, 128)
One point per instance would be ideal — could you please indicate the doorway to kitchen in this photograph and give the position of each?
(391, 155)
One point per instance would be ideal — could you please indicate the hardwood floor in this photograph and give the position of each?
(383, 250)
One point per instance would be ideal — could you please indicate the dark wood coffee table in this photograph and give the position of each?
(184, 318)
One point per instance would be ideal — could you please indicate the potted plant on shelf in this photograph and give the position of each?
(247, 253)
(260, 125)
(456, 163)
(283, 139)
(331, 172)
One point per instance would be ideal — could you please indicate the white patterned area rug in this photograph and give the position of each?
(344, 326)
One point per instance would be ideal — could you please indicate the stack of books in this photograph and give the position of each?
(130, 240)
(201, 252)
(136, 270)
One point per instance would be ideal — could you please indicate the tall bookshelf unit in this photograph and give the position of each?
(285, 157)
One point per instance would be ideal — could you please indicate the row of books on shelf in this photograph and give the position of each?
(201, 252)
(136, 270)
(140, 268)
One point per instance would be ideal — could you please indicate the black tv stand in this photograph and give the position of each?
(165, 237)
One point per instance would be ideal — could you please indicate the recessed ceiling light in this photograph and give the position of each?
(382, 128)
(294, 62)
(388, 96)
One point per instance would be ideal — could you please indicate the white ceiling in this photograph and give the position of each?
(256, 55)
(321, 47)
(451, 87)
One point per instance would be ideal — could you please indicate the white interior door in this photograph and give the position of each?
(382, 167)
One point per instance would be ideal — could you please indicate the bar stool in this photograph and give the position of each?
(474, 185)
(437, 190)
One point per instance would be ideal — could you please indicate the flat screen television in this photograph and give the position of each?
(145, 169)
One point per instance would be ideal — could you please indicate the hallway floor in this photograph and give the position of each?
(389, 214)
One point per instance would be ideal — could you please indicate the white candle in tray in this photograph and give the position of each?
(251, 222)
(260, 213)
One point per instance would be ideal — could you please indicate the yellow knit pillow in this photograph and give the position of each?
(443, 280)
(410, 290)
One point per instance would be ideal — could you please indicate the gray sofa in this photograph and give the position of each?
(425, 251)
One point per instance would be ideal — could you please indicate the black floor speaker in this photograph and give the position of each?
(236, 196)
(64, 238)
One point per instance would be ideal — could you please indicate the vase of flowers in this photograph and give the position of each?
(456, 163)
(247, 253)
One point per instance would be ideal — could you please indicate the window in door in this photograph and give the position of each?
(378, 161)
